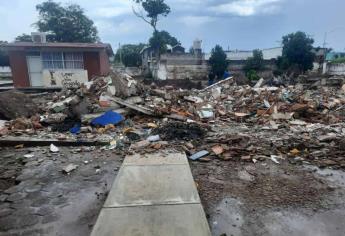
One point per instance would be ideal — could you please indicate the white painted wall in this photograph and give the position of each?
(335, 69)
(64, 78)
(272, 53)
(162, 72)
(5, 69)
(238, 55)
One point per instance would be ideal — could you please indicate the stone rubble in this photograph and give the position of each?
(228, 121)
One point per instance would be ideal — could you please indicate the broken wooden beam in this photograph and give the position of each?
(143, 110)
(32, 142)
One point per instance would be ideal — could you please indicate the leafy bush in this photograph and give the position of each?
(255, 63)
(252, 75)
(338, 60)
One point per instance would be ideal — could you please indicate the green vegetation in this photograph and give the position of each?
(129, 55)
(255, 63)
(160, 39)
(150, 11)
(338, 60)
(218, 61)
(153, 9)
(252, 75)
(65, 24)
(23, 38)
(297, 52)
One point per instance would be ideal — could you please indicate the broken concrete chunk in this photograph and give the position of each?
(69, 168)
(194, 99)
(206, 112)
(267, 104)
(153, 138)
(54, 118)
(29, 155)
(216, 92)
(298, 122)
(259, 83)
(125, 85)
(53, 148)
(134, 100)
(140, 145)
(282, 116)
(327, 138)
(58, 107)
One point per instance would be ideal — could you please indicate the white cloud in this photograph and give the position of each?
(196, 21)
(248, 7)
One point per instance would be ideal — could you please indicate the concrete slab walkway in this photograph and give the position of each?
(153, 195)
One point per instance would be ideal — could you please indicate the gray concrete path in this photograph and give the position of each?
(153, 195)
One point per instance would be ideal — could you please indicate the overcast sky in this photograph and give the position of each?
(238, 24)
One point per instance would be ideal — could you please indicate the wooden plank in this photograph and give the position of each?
(32, 142)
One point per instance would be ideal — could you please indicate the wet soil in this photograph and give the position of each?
(37, 198)
(258, 199)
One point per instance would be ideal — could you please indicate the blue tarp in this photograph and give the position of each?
(108, 118)
(75, 129)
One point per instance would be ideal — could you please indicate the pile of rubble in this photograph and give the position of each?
(223, 121)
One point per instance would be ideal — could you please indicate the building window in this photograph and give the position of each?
(61, 60)
(74, 60)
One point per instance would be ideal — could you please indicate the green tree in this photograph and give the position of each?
(297, 52)
(154, 9)
(160, 39)
(65, 24)
(129, 54)
(23, 38)
(256, 62)
(218, 61)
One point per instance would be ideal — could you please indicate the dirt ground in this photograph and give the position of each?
(240, 198)
(271, 199)
(37, 198)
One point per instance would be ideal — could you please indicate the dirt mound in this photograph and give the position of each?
(180, 131)
(14, 104)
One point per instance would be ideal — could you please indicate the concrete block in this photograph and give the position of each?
(150, 185)
(164, 220)
(160, 158)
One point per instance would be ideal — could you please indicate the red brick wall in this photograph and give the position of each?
(92, 64)
(96, 63)
(19, 69)
(104, 62)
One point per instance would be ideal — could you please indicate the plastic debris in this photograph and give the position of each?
(198, 155)
(108, 118)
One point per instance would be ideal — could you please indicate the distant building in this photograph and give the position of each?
(243, 55)
(175, 63)
(42, 64)
(334, 55)
(332, 67)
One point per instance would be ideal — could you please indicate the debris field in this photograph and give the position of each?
(221, 128)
